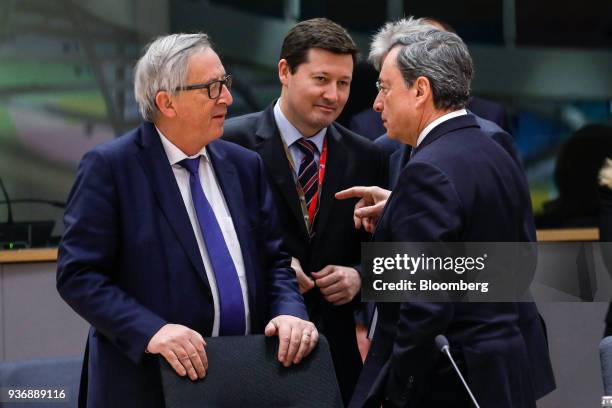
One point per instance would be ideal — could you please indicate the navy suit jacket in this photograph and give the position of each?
(351, 160)
(129, 261)
(452, 190)
(531, 323)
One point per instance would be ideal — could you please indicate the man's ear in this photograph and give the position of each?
(423, 89)
(165, 104)
(283, 71)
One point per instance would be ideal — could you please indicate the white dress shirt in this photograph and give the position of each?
(214, 195)
(436, 122)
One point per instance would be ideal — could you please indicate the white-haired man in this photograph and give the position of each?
(171, 235)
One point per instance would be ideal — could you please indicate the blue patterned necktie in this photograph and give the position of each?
(231, 304)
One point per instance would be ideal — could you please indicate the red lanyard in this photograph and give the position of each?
(314, 204)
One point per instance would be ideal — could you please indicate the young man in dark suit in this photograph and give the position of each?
(171, 236)
(308, 158)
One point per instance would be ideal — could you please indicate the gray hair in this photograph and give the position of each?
(388, 35)
(163, 67)
(444, 59)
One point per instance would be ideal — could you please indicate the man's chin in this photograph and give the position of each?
(214, 133)
(399, 137)
(323, 122)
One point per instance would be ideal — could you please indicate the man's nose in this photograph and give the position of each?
(225, 97)
(378, 104)
(331, 92)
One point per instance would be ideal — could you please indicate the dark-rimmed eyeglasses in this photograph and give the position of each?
(213, 87)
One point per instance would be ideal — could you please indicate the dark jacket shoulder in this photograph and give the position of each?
(241, 129)
(124, 144)
(234, 150)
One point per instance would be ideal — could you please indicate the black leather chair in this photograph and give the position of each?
(244, 372)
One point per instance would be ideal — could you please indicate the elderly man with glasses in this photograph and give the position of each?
(459, 184)
(171, 236)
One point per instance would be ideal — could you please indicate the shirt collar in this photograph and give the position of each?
(438, 121)
(175, 155)
(290, 134)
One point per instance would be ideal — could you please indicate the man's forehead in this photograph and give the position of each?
(214, 74)
(391, 56)
(318, 59)
(205, 65)
(389, 63)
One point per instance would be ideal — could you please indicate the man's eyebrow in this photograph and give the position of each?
(325, 73)
(214, 78)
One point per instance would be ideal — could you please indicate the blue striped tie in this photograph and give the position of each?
(232, 319)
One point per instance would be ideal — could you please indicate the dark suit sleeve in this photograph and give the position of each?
(86, 263)
(284, 297)
(380, 178)
(425, 208)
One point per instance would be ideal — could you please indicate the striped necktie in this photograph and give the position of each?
(308, 174)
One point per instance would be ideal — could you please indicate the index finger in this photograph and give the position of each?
(284, 337)
(353, 192)
(323, 272)
(327, 280)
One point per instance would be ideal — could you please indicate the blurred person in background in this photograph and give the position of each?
(576, 178)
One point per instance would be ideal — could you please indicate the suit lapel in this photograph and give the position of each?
(270, 147)
(231, 187)
(334, 174)
(157, 168)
